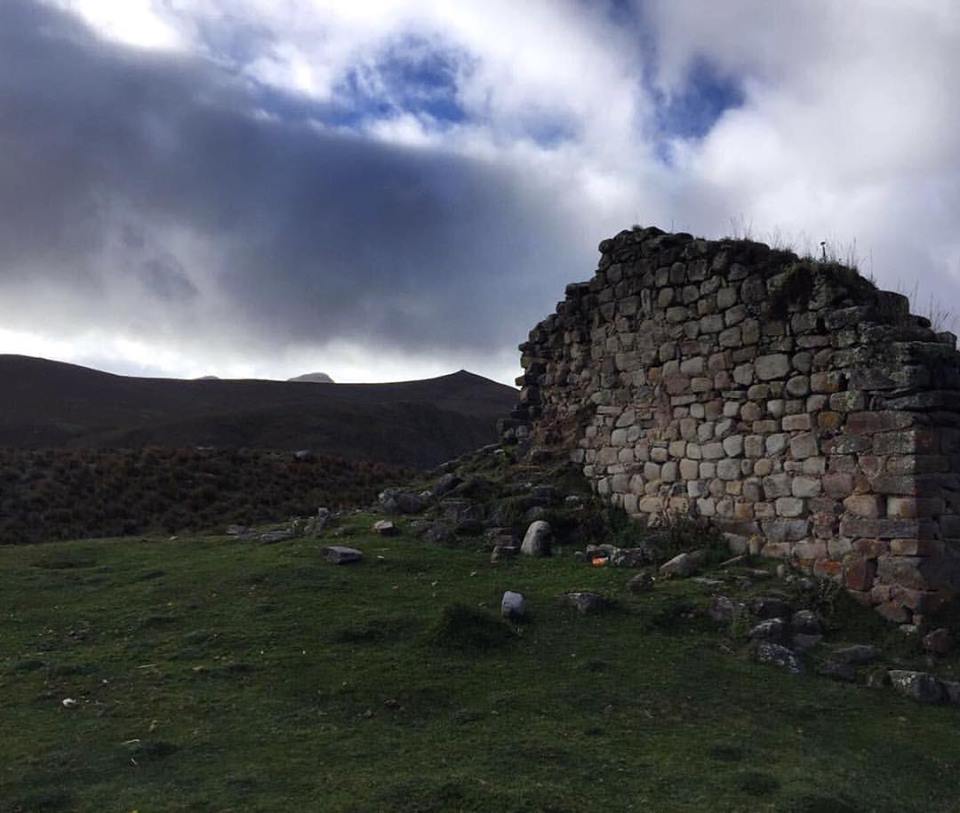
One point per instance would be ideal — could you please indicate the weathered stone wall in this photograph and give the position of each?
(807, 413)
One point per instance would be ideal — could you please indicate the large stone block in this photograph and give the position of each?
(773, 366)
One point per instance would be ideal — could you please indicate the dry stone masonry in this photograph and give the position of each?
(804, 411)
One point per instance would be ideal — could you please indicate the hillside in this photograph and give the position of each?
(416, 423)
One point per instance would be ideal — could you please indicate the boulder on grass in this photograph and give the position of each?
(682, 565)
(585, 602)
(512, 605)
(768, 652)
(939, 642)
(724, 609)
(537, 540)
(385, 528)
(920, 686)
(773, 629)
(857, 654)
(342, 555)
(641, 583)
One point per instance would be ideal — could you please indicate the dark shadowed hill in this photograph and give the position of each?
(416, 423)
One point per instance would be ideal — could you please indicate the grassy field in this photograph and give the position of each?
(213, 674)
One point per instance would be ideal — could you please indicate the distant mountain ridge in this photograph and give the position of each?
(313, 378)
(415, 423)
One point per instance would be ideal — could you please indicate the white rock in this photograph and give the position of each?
(536, 541)
(512, 605)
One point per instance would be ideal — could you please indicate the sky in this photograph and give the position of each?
(395, 189)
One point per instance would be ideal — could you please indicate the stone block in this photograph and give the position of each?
(804, 487)
(693, 366)
(790, 507)
(909, 441)
(804, 446)
(730, 337)
(829, 421)
(905, 571)
(797, 423)
(713, 451)
(776, 444)
(712, 323)
(864, 505)
(777, 485)
(753, 446)
(848, 444)
(895, 484)
(913, 507)
(728, 469)
(881, 528)
(859, 573)
(763, 467)
(814, 466)
(733, 445)
(798, 386)
(772, 366)
(784, 530)
(848, 401)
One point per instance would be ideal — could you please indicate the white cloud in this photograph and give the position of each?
(849, 128)
(140, 23)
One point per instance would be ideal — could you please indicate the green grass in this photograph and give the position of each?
(216, 674)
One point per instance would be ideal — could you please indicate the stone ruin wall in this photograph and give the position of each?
(806, 413)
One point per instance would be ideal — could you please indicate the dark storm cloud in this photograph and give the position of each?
(150, 179)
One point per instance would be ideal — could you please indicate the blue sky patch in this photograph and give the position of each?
(705, 97)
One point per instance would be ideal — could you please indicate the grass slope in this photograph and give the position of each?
(216, 674)
(75, 493)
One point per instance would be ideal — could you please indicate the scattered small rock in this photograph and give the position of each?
(682, 565)
(724, 609)
(272, 537)
(778, 655)
(803, 642)
(630, 557)
(857, 654)
(952, 690)
(69, 703)
(771, 607)
(641, 583)
(446, 484)
(322, 520)
(806, 622)
(586, 603)
(537, 540)
(773, 629)
(512, 605)
(503, 552)
(920, 686)
(394, 501)
(837, 670)
(939, 642)
(341, 555)
(385, 527)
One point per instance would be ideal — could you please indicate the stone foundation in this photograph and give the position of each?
(804, 411)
